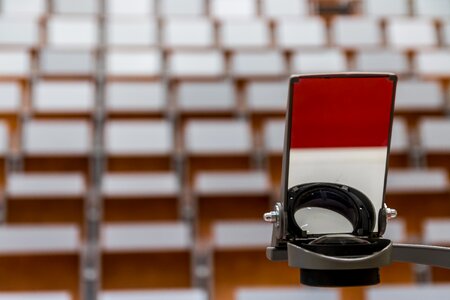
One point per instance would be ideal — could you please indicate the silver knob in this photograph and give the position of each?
(391, 213)
(271, 216)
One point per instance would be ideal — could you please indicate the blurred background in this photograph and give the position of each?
(141, 140)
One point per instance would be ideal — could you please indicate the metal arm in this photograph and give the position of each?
(422, 254)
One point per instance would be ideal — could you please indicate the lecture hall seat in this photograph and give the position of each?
(232, 9)
(15, 65)
(35, 296)
(438, 9)
(400, 150)
(433, 64)
(133, 64)
(188, 33)
(262, 64)
(435, 147)
(385, 8)
(435, 231)
(143, 8)
(318, 61)
(268, 293)
(19, 32)
(273, 143)
(172, 294)
(294, 33)
(25, 8)
(356, 32)
(247, 34)
(411, 33)
(382, 60)
(278, 9)
(145, 32)
(56, 63)
(79, 7)
(199, 64)
(11, 101)
(73, 32)
(407, 292)
(182, 8)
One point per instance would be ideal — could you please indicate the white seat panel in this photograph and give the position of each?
(297, 33)
(267, 96)
(170, 8)
(410, 33)
(36, 296)
(57, 138)
(319, 61)
(399, 136)
(151, 237)
(396, 230)
(66, 62)
(231, 183)
(284, 8)
(417, 180)
(436, 231)
(64, 97)
(356, 32)
(274, 136)
(133, 63)
(86, 7)
(385, 8)
(130, 8)
(24, 7)
(27, 239)
(197, 64)
(223, 9)
(19, 31)
(407, 292)
(206, 96)
(210, 136)
(432, 8)
(446, 33)
(188, 32)
(235, 235)
(41, 185)
(4, 139)
(138, 137)
(434, 63)
(286, 294)
(173, 294)
(135, 97)
(137, 32)
(72, 32)
(382, 61)
(140, 184)
(15, 63)
(258, 63)
(419, 95)
(432, 133)
(10, 97)
(244, 34)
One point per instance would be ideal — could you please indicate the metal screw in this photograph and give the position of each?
(271, 216)
(391, 213)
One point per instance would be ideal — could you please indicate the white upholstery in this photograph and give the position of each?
(433, 133)
(66, 62)
(72, 32)
(188, 32)
(258, 63)
(230, 235)
(399, 137)
(289, 293)
(382, 61)
(18, 31)
(172, 294)
(231, 183)
(140, 184)
(408, 292)
(384, 8)
(4, 139)
(436, 231)
(283, 8)
(149, 237)
(130, 8)
(10, 97)
(267, 96)
(35, 296)
(135, 97)
(319, 61)
(169, 8)
(244, 34)
(304, 32)
(196, 64)
(417, 180)
(57, 137)
(432, 8)
(131, 32)
(211, 136)
(138, 137)
(76, 7)
(356, 32)
(24, 7)
(274, 136)
(15, 63)
(206, 96)
(233, 8)
(42, 185)
(419, 95)
(32, 239)
(434, 63)
(407, 33)
(133, 63)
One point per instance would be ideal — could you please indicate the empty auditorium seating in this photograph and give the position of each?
(223, 9)
(190, 64)
(356, 32)
(404, 292)
(188, 33)
(286, 293)
(284, 8)
(296, 33)
(436, 148)
(235, 259)
(67, 63)
(319, 61)
(273, 147)
(400, 144)
(433, 64)
(254, 64)
(431, 8)
(382, 61)
(14, 64)
(145, 32)
(385, 8)
(45, 198)
(23, 32)
(177, 8)
(218, 194)
(40, 258)
(36, 296)
(72, 32)
(140, 7)
(26, 8)
(138, 145)
(173, 294)
(81, 7)
(140, 196)
(253, 33)
(10, 104)
(133, 64)
(145, 255)
(446, 33)
(413, 33)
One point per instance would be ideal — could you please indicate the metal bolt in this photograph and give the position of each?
(391, 213)
(272, 216)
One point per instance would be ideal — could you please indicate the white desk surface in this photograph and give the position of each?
(356, 32)
(409, 181)
(258, 63)
(15, 63)
(85, 7)
(312, 31)
(10, 97)
(434, 134)
(173, 8)
(123, 8)
(231, 183)
(242, 235)
(66, 62)
(179, 32)
(398, 29)
(209, 63)
(267, 96)
(328, 60)
(419, 95)
(304, 293)
(135, 97)
(382, 61)
(223, 9)
(173, 294)
(36, 296)
(247, 33)
(145, 32)
(16, 31)
(133, 63)
(198, 96)
(433, 63)
(24, 7)
(283, 8)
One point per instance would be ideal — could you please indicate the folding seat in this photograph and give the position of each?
(407, 190)
(57, 145)
(4, 150)
(239, 261)
(385, 8)
(431, 8)
(133, 64)
(258, 64)
(40, 259)
(125, 8)
(433, 141)
(436, 232)
(290, 293)
(416, 98)
(62, 195)
(217, 194)
(32, 8)
(273, 143)
(382, 61)
(198, 64)
(406, 292)
(139, 145)
(131, 99)
(433, 64)
(210, 99)
(329, 60)
(249, 33)
(72, 32)
(131, 32)
(181, 8)
(15, 64)
(67, 63)
(63, 99)
(217, 145)
(284, 8)
(135, 197)
(21, 32)
(298, 33)
(36, 296)
(356, 32)
(147, 255)
(84, 7)
(411, 33)
(399, 155)
(223, 9)
(10, 104)
(265, 100)
(173, 294)
(188, 33)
